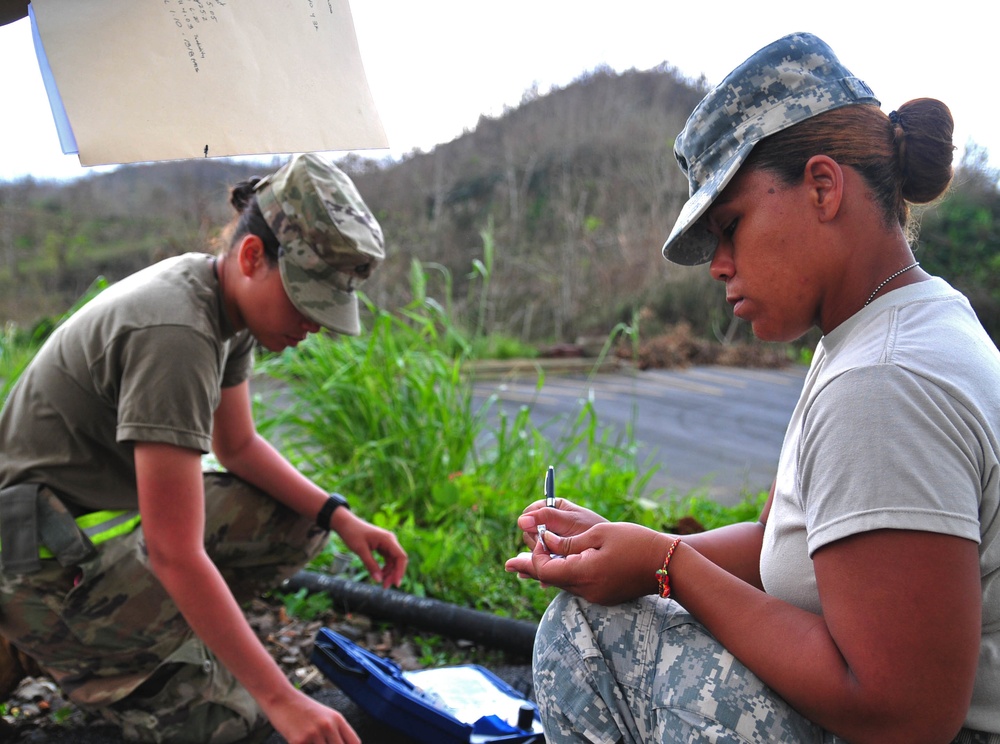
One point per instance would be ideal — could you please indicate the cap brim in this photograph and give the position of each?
(332, 308)
(690, 243)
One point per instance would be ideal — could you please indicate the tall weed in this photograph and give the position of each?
(390, 418)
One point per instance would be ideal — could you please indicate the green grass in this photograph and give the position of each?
(390, 419)
(18, 346)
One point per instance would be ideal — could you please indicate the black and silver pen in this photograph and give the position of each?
(550, 500)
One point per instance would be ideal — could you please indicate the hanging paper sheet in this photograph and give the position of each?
(173, 79)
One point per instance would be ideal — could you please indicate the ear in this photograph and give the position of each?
(824, 179)
(250, 255)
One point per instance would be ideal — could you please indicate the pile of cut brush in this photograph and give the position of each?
(680, 348)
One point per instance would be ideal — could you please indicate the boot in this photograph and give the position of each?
(15, 665)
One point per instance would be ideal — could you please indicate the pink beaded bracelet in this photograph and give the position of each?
(662, 577)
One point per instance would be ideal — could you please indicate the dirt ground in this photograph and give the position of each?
(38, 713)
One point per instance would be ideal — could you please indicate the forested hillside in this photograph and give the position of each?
(580, 187)
(575, 190)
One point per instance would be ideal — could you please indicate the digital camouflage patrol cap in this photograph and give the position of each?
(792, 79)
(330, 241)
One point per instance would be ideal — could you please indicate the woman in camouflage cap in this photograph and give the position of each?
(123, 566)
(864, 606)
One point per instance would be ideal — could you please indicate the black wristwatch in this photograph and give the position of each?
(326, 513)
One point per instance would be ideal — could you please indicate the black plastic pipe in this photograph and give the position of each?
(515, 636)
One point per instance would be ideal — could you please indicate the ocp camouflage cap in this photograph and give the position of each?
(792, 79)
(330, 241)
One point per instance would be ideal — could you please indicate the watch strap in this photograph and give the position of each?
(326, 513)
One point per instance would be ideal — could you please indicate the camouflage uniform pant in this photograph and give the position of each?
(646, 672)
(649, 672)
(115, 642)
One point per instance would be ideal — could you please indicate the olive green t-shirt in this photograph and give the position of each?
(146, 360)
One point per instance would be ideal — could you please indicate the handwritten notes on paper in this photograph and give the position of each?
(171, 79)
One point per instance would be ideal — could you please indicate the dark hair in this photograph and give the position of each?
(905, 157)
(249, 220)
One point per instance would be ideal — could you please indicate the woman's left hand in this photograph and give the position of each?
(609, 563)
(367, 540)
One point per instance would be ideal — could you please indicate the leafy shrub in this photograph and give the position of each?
(390, 418)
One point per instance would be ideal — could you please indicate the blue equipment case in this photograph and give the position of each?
(380, 688)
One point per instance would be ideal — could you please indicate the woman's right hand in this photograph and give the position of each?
(366, 540)
(565, 518)
(610, 563)
(302, 720)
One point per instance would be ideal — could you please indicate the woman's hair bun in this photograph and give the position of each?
(924, 128)
(243, 193)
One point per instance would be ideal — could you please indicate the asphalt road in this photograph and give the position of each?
(712, 430)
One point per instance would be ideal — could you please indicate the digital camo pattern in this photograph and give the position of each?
(112, 638)
(330, 240)
(792, 79)
(648, 672)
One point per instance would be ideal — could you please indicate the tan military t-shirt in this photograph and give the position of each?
(144, 361)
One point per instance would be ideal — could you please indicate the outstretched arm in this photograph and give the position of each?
(242, 451)
(172, 504)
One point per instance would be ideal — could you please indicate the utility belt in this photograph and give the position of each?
(35, 525)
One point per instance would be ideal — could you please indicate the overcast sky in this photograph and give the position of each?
(435, 67)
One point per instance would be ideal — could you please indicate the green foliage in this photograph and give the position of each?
(430, 653)
(15, 353)
(966, 246)
(711, 514)
(63, 714)
(18, 347)
(498, 346)
(306, 606)
(960, 240)
(390, 418)
(376, 407)
(434, 651)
